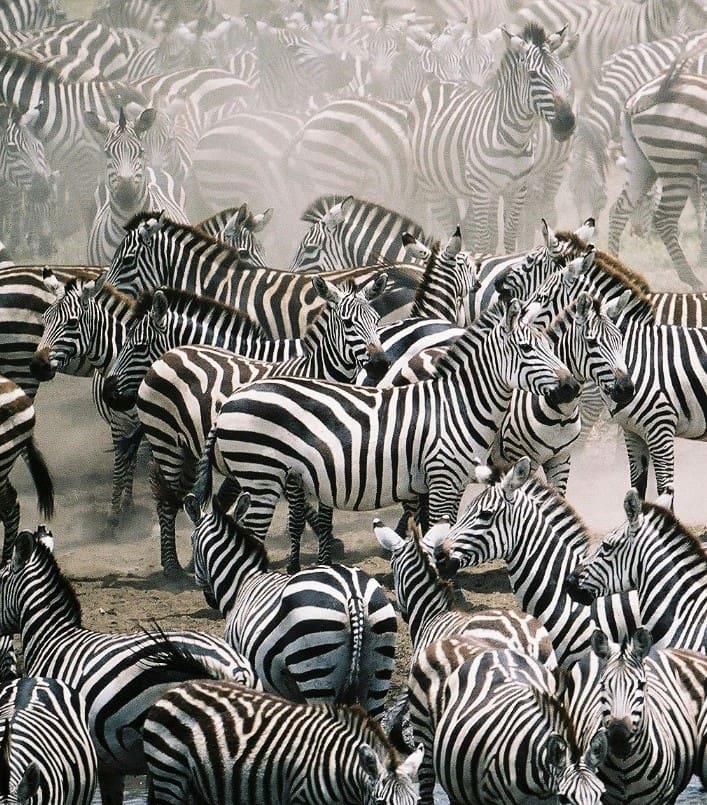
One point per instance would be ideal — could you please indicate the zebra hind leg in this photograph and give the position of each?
(296, 517)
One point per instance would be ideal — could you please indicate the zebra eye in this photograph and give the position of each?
(72, 323)
(526, 349)
(592, 341)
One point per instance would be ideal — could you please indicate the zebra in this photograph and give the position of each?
(599, 112)
(150, 16)
(479, 759)
(118, 675)
(28, 14)
(157, 252)
(670, 595)
(46, 753)
(130, 186)
(496, 124)
(237, 226)
(340, 340)
(323, 634)
(316, 753)
(427, 604)
(434, 428)
(651, 728)
(346, 232)
(660, 144)
(540, 536)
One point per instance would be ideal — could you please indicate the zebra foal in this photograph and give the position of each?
(228, 744)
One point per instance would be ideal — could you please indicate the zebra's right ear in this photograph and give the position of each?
(23, 550)
(145, 120)
(327, 290)
(369, 761)
(29, 784)
(374, 287)
(96, 123)
(52, 284)
(513, 314)
(91, 288)
(597, 751)
(259, 221)
(159, 309)
(415, 248)
(549, 235)
(387, 538)
(515, 478)
(586, 229)
(642, 641)
(600, 644)
(633, 506)
(557, 751)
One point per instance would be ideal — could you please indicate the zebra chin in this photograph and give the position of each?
(40, 366)
(114, 399)
(577, 593)
(564, 122)
(377, 365)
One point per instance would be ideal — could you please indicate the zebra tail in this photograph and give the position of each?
(203, 484)
(351, 693)
(41, 478)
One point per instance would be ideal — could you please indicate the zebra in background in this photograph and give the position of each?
(119, 675)
(46, 753)
(346, 231)
(323, 634)
(671, 594)
(664, 136)
(447, 122)
(238, 226)
(130, 185)
(540, 536)
(438, 426)
(325, 753)
(31, 14)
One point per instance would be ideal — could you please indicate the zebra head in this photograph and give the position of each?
(23, 162)
(125, 157)
(591, 345)
(135, 265)
(542, 84)
(622, 685)
(320, 249)
(28, 784)
(69, 325)
(240, 230)
(579, 782)
(387, 780)
(487, 528)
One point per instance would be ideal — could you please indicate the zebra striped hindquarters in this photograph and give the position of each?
(229, 745)
(46, 754)
(119, 675)
(324, 634)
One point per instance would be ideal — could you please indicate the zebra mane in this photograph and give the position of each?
(356, 720)
(320, 206)
(674, 527)
(47, 557)
(424, 286)
(189, 303)
(140, 218)
(534, 33)
(562, 316)
(458, 353)
(253, 545)
(72, 284)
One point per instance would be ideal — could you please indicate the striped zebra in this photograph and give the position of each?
(238, 226)
(650, 724)
(28, 205)
(502, 735)
(157, 252)
(20, 15)
(496, 124)
(670, 594)
(149, 16)
(324, 634)
(191, 382)
(17, 419)
(427, 604)
(346, 231)
(119, 675)
(46, 753)
(434, 428)
(130, 185)
(664, 136)
(261, 748)
(599, 112)
(541, 537)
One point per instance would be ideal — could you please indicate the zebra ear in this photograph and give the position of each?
(29, 784)
(260, 220)
(23, 550)
(415, 248)
(583, 307)
(454, 244)
(31, 116)
(193, 509)
(242, 506)
(515, 478)
(145, 121)
(334, 217)
(514, 42)
(555, 40)
(585, 232)
(597, 751)
(578, 267)
(513, 314)
(92, 287)
(600, 644)
(158, 312)
(369, 761)
(52, 284)
(96, 123)
(568, 47)
(633, 506)
(549, 236)
(616, 307)
(557, 751)
(642, 642)
(327, 290)
(375, 287)
(411, 765)
(388, 539)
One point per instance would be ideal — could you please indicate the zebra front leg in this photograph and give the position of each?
(10, 515)
(665, 219)
(661, 446)
(126, 435)
(638, 461)
(296, 517)
(111, 785)
(328, 546)
(557, 471)
(513, 202)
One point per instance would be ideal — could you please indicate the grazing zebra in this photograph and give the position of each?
(655, 555)
(17, 439)
(434, 428)
(261, 748)
(599, 112)
(130, 186)
(119, 675)
(664, 136)
(502, 735)
(448, 123)
(46, 754)
(346, 231)
(540, 536)
(323, 634)
(157, 252)
(428, 606)
(650, 723)
(237, 226)
(185, 386)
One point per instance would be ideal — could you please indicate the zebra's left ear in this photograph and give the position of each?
(555, 40)
(29, 784)
(411, 765)
(515, 478)
(633, 506)
(369, 761)
(335, 216)
(454, 244)
(374, 287)
(158, 312)
(514, 42)
(327, 290)
(414, 247)
(557, 751)
(23, 550)
(597, 751)
(616, 307)
(642, 642)
(144, 121)
(583, 307)
(91, 288)
(52, 284)
(513, 313)
(258, 222)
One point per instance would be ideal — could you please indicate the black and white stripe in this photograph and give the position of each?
(238, 226)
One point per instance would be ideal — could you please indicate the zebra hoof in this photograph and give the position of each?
(174, 572)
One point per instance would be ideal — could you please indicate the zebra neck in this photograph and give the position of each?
(320, 356)
(421, 593)
(123, 213)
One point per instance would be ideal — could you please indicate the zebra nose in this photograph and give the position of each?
(563, 124)
(575, 592)
(623, 390)
(40, 366)
(377, 365)
(619, 736)
(566, 390)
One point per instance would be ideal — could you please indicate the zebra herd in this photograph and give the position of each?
(389, 355)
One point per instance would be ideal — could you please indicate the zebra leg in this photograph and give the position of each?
(296, 517)
(557, 471)
(665, 219)
(480, 224)
(444, 213)
(326, 537)
(513, 202)
(125, 452)
(10, 515)
(661, 445)
(638, 461)
(111, 785)
(619, 214)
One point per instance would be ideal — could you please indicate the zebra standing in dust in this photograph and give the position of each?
(130, 185)
(671, 587)
(434, 428)
(323, 634)
(475, 145)
(118, 675)
(261, 748)
(46, 754)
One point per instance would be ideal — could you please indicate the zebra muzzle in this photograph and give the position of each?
(619, 739)
(41, 367)
(377, 365)
(576, 592)
(448, 565)
(564, 122)
(565, 391)
(623, 390)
